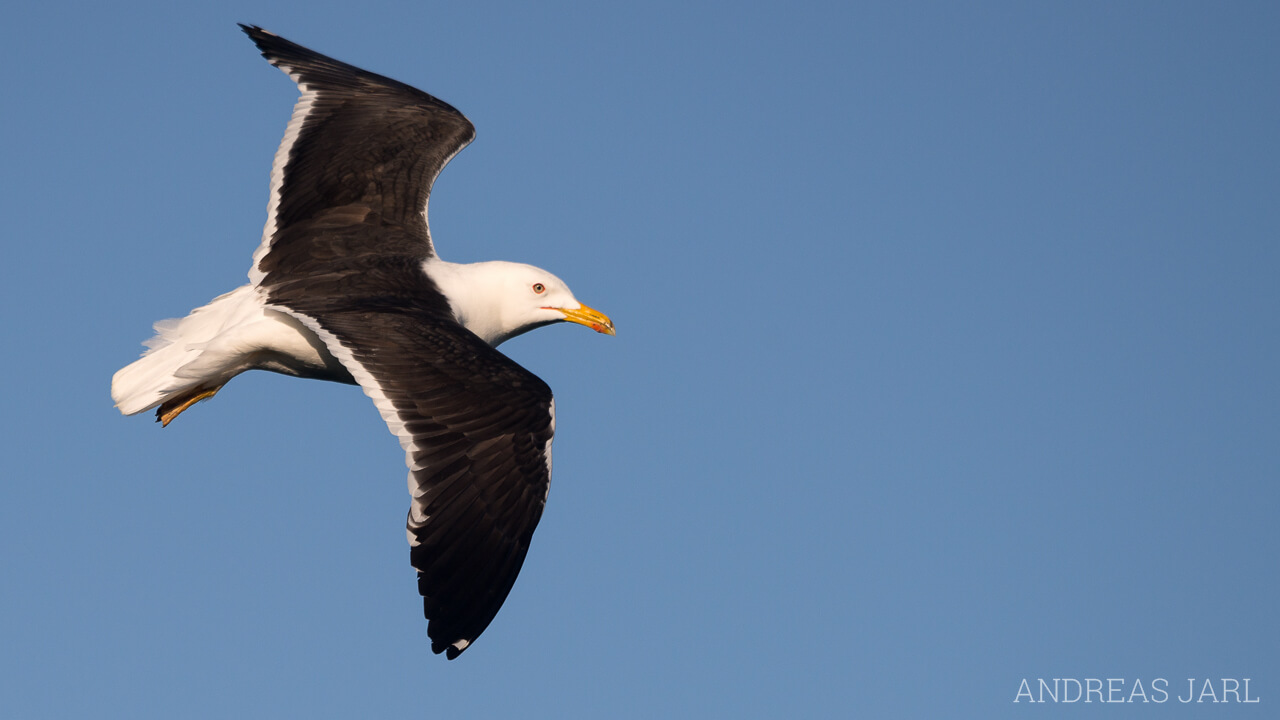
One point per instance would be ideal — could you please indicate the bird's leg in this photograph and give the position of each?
(174, 406)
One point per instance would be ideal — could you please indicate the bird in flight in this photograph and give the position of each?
(346, 286)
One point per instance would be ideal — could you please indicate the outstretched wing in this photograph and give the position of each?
(343, 253)
(361, 151)
(476, 429)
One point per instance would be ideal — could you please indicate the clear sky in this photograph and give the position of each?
(948, 355)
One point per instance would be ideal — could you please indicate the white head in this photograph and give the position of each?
(500, 300)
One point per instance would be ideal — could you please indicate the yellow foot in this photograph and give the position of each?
(173, 407)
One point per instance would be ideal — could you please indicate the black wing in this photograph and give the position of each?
(476, 429)
(343, 253)
(361, 150)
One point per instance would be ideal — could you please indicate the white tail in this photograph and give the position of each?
(169, 368)
(190, 359)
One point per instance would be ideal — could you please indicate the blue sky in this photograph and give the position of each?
(947, 356)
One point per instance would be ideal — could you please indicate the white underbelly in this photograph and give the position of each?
(204, 350)
(237, 332)
(290, 348)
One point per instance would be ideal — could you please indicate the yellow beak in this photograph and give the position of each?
(593, 319)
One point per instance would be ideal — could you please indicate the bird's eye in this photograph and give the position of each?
(539, 288)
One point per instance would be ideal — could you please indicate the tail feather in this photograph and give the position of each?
(170, 367)
(153, 378)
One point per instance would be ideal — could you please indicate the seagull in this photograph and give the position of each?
(346, 286)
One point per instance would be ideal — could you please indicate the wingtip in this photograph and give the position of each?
(452, 650)
(264, 39)
(257, 35)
